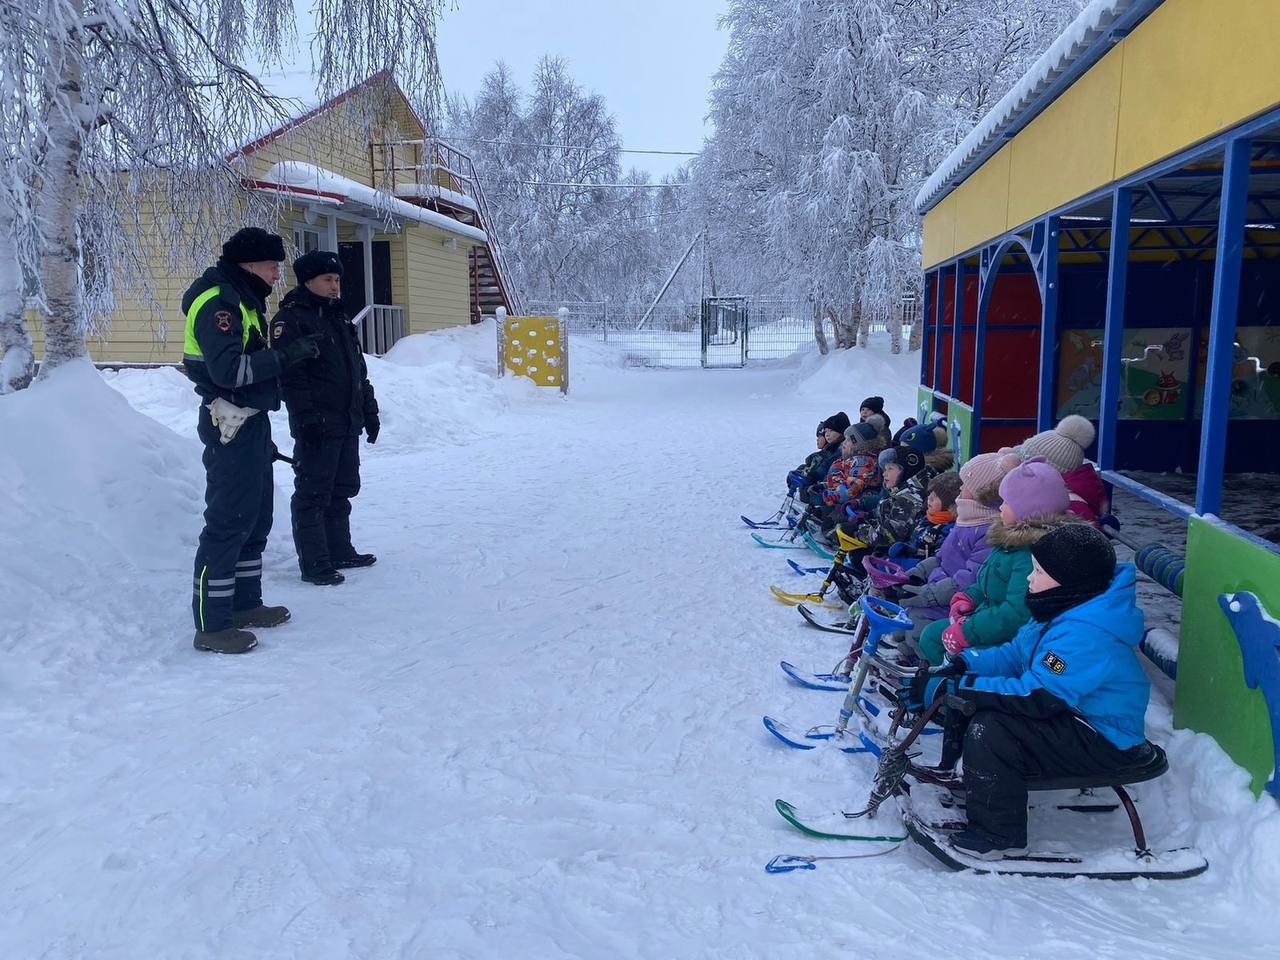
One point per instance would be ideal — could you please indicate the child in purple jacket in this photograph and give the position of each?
(955, 567)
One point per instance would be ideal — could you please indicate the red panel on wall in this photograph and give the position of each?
(1011, 374)
(994, 436)
(1015, 300)
(964, 389)
(944, 382)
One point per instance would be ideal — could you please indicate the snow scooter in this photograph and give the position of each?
(847, 546)
(878, 618)
(895, 765)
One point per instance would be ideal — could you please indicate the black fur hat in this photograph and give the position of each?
(313, 264)
(252, 245)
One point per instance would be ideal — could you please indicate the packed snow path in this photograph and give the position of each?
(531, 730)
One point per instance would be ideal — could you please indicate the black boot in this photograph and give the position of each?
(260, 616)
(355, 560)
(229, 640)
(324, 578)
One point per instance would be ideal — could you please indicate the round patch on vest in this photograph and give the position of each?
(222, 320)
(277, 331)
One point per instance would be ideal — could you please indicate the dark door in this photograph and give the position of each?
(352, 257)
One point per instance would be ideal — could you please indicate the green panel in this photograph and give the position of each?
(924, 403)
(1211, 695)
(958, 413)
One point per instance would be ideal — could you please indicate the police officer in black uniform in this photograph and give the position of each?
(330, 400)
(227, 355)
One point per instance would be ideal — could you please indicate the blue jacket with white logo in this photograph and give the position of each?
(1086, 657)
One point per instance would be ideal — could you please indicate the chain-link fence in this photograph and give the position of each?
(719, 332)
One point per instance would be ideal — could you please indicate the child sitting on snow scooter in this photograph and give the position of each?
(855, 474)
(1063, 447)
(796, 477)
(1066, 697)
(902, 504)
(935, 525)
(807, 483)
(992, 610)
(935, 580)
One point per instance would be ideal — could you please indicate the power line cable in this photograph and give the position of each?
(569, 146)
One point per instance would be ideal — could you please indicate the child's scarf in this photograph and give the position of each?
(971, 513)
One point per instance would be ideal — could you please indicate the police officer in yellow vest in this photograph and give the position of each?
(236, 372)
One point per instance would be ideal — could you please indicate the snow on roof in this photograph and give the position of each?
(431, 191)
(1101, 24)
(307, 176)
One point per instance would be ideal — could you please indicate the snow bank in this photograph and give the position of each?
(844, 377)
(92, 492)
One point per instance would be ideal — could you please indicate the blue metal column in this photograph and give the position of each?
(1222, 326)
(925, 307)
(1113, 341)
(988, 267)
(956, 324)
(1048, 327)
(937, 332)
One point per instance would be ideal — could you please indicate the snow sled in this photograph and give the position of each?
(1141, 861)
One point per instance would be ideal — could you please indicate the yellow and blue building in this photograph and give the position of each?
(1107, 242)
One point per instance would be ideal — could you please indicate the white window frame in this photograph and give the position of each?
(306, 239)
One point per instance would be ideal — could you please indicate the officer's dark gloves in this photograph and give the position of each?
(304, 348)
(310, 434)
(372, 426)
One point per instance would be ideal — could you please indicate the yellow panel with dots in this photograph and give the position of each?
(534, 348)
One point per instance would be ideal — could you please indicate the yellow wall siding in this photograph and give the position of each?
(438, 280)
(332, 140)
(1070, 148)
(428, 279)
(982, 211)
(940, 232)
(1190, 70)
(1193, 69)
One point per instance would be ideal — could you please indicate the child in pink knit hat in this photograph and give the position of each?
(1034, 501)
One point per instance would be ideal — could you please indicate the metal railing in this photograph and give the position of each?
(434, 163)
(672, 332)
(379, 325)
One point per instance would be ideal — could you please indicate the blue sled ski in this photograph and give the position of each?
(816, 547)
(815, 736)
(815, 681)
(805, 571)
(775, 545)
(764, 525)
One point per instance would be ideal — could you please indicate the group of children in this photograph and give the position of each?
(1015, 594)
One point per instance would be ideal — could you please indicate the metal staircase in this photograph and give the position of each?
(435, 175)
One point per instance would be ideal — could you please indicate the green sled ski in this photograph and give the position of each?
(827, 826)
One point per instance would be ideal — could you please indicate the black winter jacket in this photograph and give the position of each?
(332, 390)
(242, 370)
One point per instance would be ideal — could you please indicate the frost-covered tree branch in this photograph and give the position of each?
(121, 116)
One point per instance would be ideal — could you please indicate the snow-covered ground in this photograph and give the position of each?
(531, 730)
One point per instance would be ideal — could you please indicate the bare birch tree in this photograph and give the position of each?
(130, 110)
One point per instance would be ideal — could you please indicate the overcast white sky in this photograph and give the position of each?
(651, 61)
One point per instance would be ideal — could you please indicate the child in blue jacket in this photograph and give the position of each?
(1065, 697)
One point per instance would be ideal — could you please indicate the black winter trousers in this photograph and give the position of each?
(326, 477)
(1001, 752)
(237, 520)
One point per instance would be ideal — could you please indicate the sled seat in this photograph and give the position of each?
(1153, 763)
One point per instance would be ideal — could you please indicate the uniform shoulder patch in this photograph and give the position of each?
(222, 320)
(1054, 662)
(277, 331)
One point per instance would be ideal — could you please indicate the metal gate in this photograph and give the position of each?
(725, 325)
